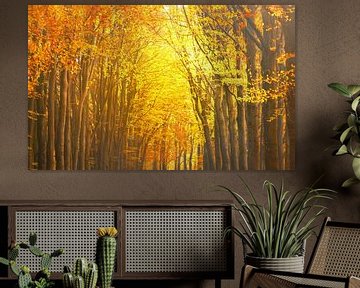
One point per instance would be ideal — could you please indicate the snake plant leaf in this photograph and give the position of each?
(342, 150)
(349, 182)
(356, 167)
(355, 103)
(340, 88)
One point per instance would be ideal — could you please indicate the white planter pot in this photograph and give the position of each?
(291, 264)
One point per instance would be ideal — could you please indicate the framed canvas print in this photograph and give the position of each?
(161, 87)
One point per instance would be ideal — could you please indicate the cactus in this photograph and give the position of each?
(105, 255)
(32, 239)
(36, 251)
(88, 273)
(79, 282)
(57, 253)
(42, 278)
(68, 280)
(45, 261)
(80, 267)
(13, 253)
(24, 280)
(91, 276)
(43, 274)
(67, 269)
(14, 268)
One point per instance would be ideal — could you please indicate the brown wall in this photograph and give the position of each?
(328, 50)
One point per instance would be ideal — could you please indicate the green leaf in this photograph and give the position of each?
(356, 167)
(355, 103)
(340, 88)
(354, 145)
(353, 89)
(342, 150)
(345, 134)
(351, 120)
(349, 182)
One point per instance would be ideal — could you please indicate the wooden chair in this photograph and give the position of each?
(335, 262)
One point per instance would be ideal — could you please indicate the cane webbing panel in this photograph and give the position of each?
(338, 252)
(74, 231)
(312, 282)
(175, 241)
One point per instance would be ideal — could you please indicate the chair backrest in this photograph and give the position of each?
(337, 251)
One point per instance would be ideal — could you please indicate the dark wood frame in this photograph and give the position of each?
(119, 208)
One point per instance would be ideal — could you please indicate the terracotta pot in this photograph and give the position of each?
(291, 264)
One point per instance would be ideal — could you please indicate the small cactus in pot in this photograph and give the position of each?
(106, 254)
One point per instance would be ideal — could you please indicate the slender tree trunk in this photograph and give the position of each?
(201, 103)
(32, 118)
(68, 136)
(269, 67)
(191, 153)
(223, 135)
(86, 72)
(41, 131)
(233, 129)
(60, 140)
(289, 35)
(253, 75)
(242, 120)
(51, 160)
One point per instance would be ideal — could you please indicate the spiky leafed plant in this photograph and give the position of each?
(349, 132)
(279, 229)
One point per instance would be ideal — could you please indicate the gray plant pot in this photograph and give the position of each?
(291, 264)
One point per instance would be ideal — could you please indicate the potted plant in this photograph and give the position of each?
(276, 233)
(348, 133)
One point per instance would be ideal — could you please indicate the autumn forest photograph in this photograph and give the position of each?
(161, 87)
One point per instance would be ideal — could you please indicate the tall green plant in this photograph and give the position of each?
(279, 229)
(349, 132)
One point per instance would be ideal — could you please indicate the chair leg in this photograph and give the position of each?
(246, 274)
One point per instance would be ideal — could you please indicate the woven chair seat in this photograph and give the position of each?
(313, 282)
